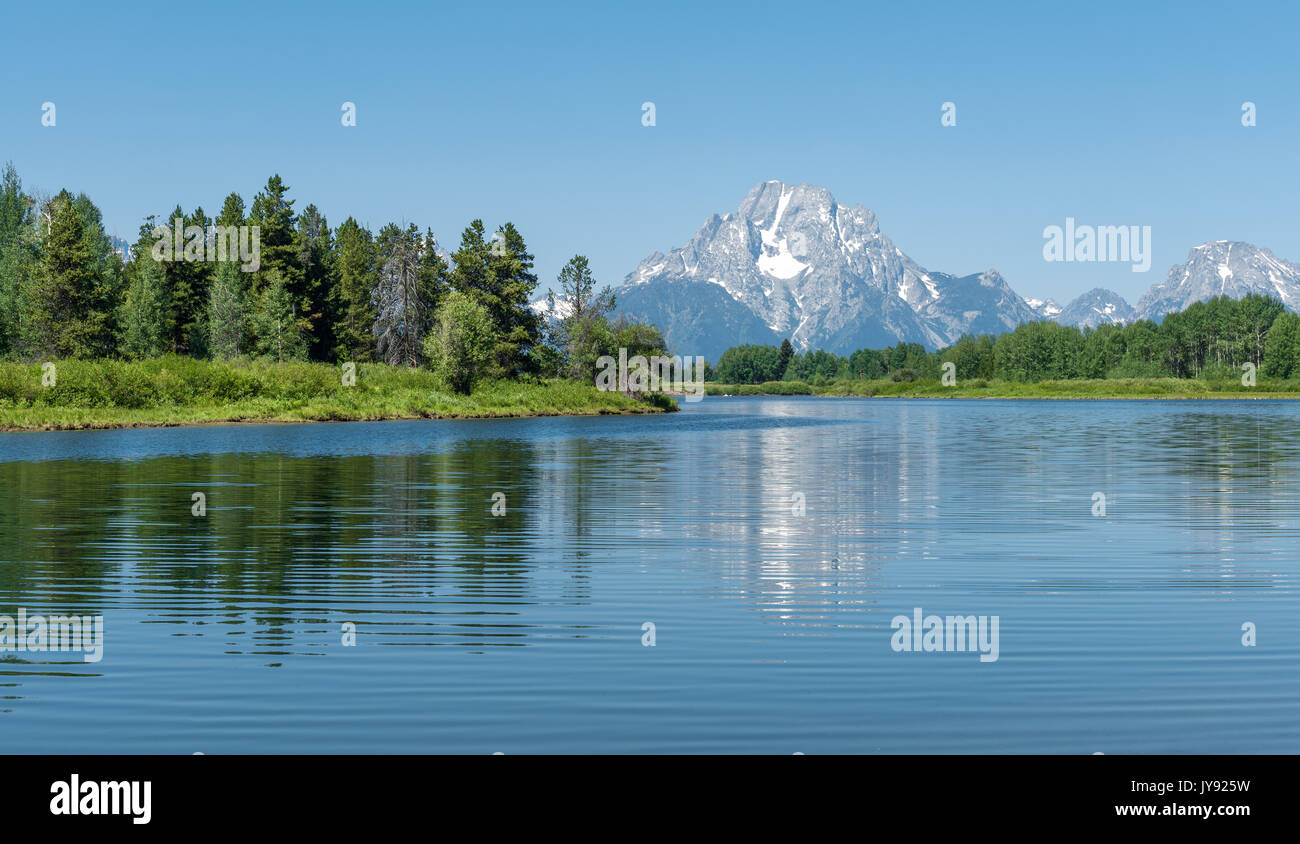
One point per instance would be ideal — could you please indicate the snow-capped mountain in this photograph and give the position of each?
(1045, 308)
(120, 247)
(1096, 307)
(793, 262)
(1222, 268)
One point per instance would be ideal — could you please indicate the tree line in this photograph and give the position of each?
(315, 293)
(1209, 339)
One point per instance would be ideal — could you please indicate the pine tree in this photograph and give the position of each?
(787, 352)
(61, 296)
(272, 213)
(228, 300)
(498, 275)
(518, 325)
(110, 286)
(432, 282)
(13, 205)
(227, 312)
(579, 327)
(315, 253)
(188, 281)
(144, 312)
(354, 321)
(14, 256)
(275, 322)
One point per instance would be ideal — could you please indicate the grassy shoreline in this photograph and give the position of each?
(176, 391)
(1126, 388)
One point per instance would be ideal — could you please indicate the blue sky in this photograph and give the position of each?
(1111, 113)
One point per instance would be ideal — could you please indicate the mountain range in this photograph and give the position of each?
(792, 262)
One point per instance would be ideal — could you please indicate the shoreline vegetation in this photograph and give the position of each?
(1220, 348)
(176, 390)
(1074, 389)
(264, 313)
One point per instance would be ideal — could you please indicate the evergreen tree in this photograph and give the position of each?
(315, 254)
(189, 281)
(787, 352)
(143, 316)
(432, 283)
(227, 312)
(272, 212)
(499, 276)
(579, 325)
(228, 300)
(518, 325)
(13, 205)
(60, 299)
(354, 321)
(15, 256)
(274, 322)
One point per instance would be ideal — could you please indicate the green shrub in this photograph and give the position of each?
(77, 383)
(1137, 369)
(19, 383)
(459, 347)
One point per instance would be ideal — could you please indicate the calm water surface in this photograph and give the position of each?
(522, 633)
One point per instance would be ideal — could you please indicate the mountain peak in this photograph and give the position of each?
(1222, 268)
(1098, 306)
(791, 262)
(795, 263)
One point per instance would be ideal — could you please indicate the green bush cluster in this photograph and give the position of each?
(176, 380)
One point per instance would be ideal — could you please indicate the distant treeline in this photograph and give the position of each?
(1210, 339)
(347, 294)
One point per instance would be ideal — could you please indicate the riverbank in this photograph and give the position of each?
(175, 390)
(1126, 388)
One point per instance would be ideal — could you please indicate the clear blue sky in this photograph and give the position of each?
(1112, 113)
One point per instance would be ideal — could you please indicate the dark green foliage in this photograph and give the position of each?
(68, 302)
(1209, 340)
(787, 352)
(314, 294)
(352, 308)
(498, 274)
(315, 254)
(1282, 347)
(750, 365)
(273, 214)
(16, 256)
(276, 329)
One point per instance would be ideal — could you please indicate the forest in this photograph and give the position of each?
(300, 292)
(1210, 340)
